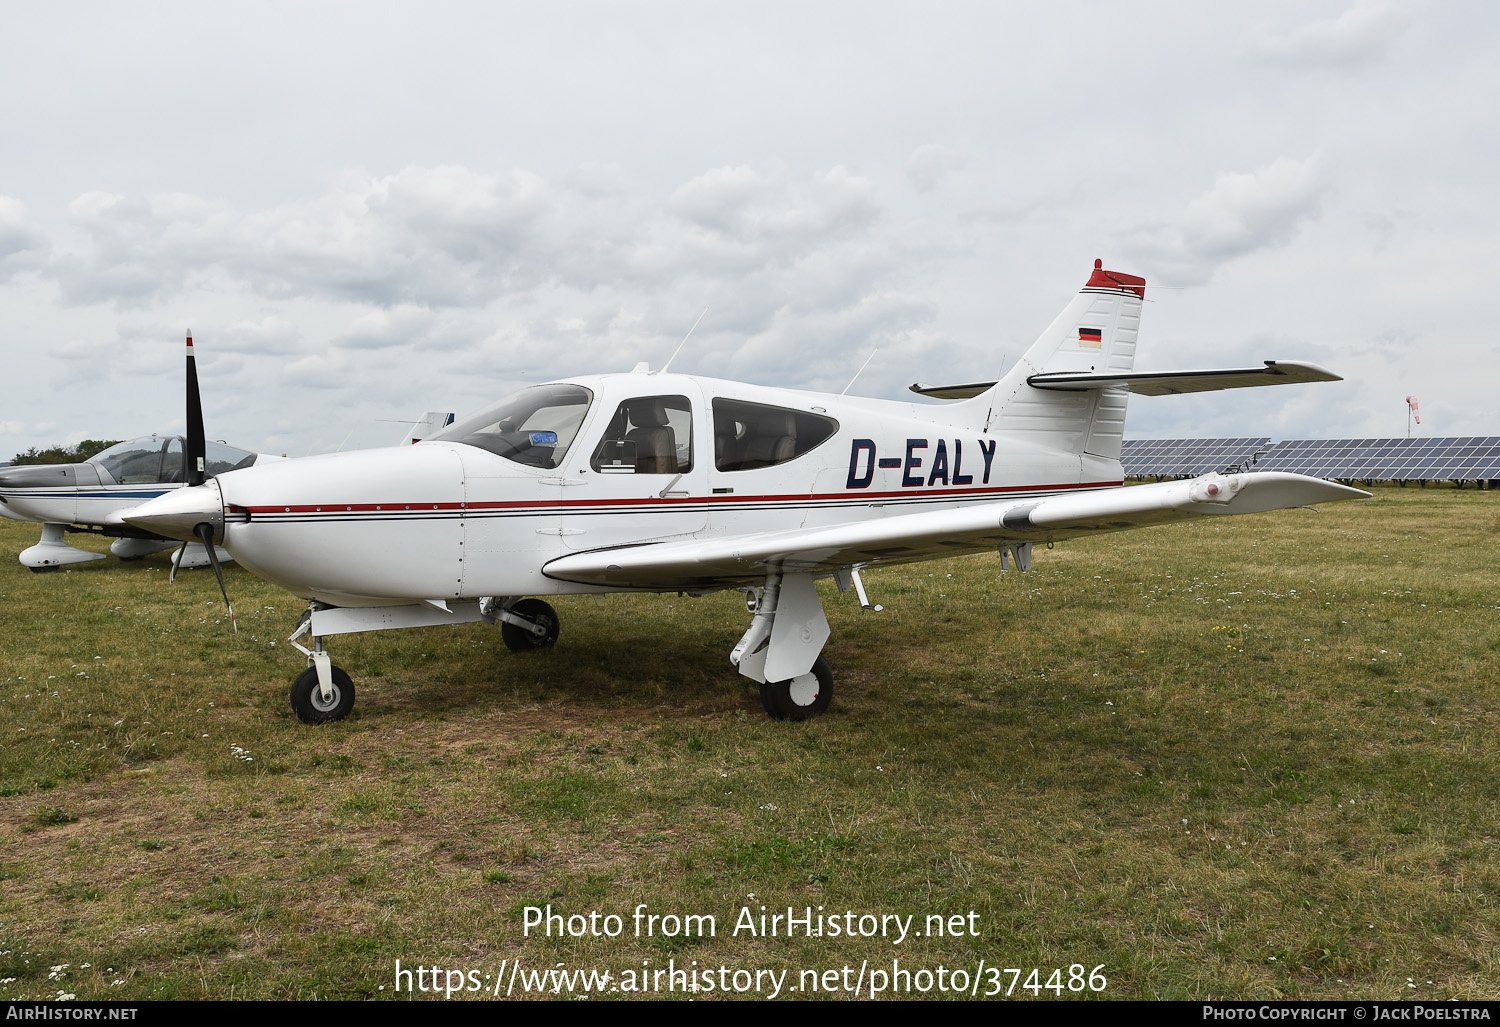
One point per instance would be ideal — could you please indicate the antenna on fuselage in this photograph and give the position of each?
(859, 372)
(683, 343)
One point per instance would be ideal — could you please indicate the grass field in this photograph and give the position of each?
(1250, 758)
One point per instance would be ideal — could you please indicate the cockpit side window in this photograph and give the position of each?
(647, 435)
(533, 427)
(752, 435)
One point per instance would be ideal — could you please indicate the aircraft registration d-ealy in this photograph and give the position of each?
(642, 482)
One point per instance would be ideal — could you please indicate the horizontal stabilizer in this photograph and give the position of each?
(1172, 383)
(952, 391)
(1156, 383)
(714, 563)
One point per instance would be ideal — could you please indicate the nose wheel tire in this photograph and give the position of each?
(308, 702)
(801, 697)
(518, 639)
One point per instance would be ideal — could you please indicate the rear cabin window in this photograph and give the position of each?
(647, 435)
(750, 435)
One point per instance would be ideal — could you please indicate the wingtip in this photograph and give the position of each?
(1305, 370)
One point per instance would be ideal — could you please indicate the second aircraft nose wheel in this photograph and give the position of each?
(800, 697)
(308, 702)
(519, 639)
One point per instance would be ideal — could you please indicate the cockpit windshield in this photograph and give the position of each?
(159, 459)
(534, 426)
(137, 462)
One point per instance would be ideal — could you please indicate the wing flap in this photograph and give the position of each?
(1172, 383)
(708, 564)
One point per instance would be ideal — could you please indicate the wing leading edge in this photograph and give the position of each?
(709, 564)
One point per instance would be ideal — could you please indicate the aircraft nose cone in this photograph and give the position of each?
(177, 513)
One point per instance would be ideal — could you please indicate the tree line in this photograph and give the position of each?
(65, 454)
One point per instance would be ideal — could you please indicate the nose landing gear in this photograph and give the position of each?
(324, 693)
(312, 707)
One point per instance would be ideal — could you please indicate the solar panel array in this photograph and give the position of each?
(1178, 458)
(1451, 459)
(1471, 458)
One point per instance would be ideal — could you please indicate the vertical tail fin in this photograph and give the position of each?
(1095, 332)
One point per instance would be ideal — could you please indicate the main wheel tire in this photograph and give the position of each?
(307, 697)
(518, 639)
(801, 697)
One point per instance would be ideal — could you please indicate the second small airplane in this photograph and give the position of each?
(93, 496)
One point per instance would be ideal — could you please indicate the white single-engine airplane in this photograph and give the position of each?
(648, 482)
(92, 496)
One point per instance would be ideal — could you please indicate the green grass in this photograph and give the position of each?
(1252, 758)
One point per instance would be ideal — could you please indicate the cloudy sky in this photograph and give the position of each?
(364, 211)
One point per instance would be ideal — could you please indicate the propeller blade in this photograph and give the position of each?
(176, 562)
(205, 532)
(197, 446)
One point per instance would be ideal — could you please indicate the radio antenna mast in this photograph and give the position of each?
(683, 343)
(859, 372)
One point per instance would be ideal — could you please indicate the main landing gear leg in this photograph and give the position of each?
(526, 625)
(52, 553)
(783, 646)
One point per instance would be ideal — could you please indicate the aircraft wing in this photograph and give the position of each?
(1154, 383)
(708, 564)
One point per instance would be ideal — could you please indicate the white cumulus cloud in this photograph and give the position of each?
(1242, 213)
(22, 244)
(1361, 33)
